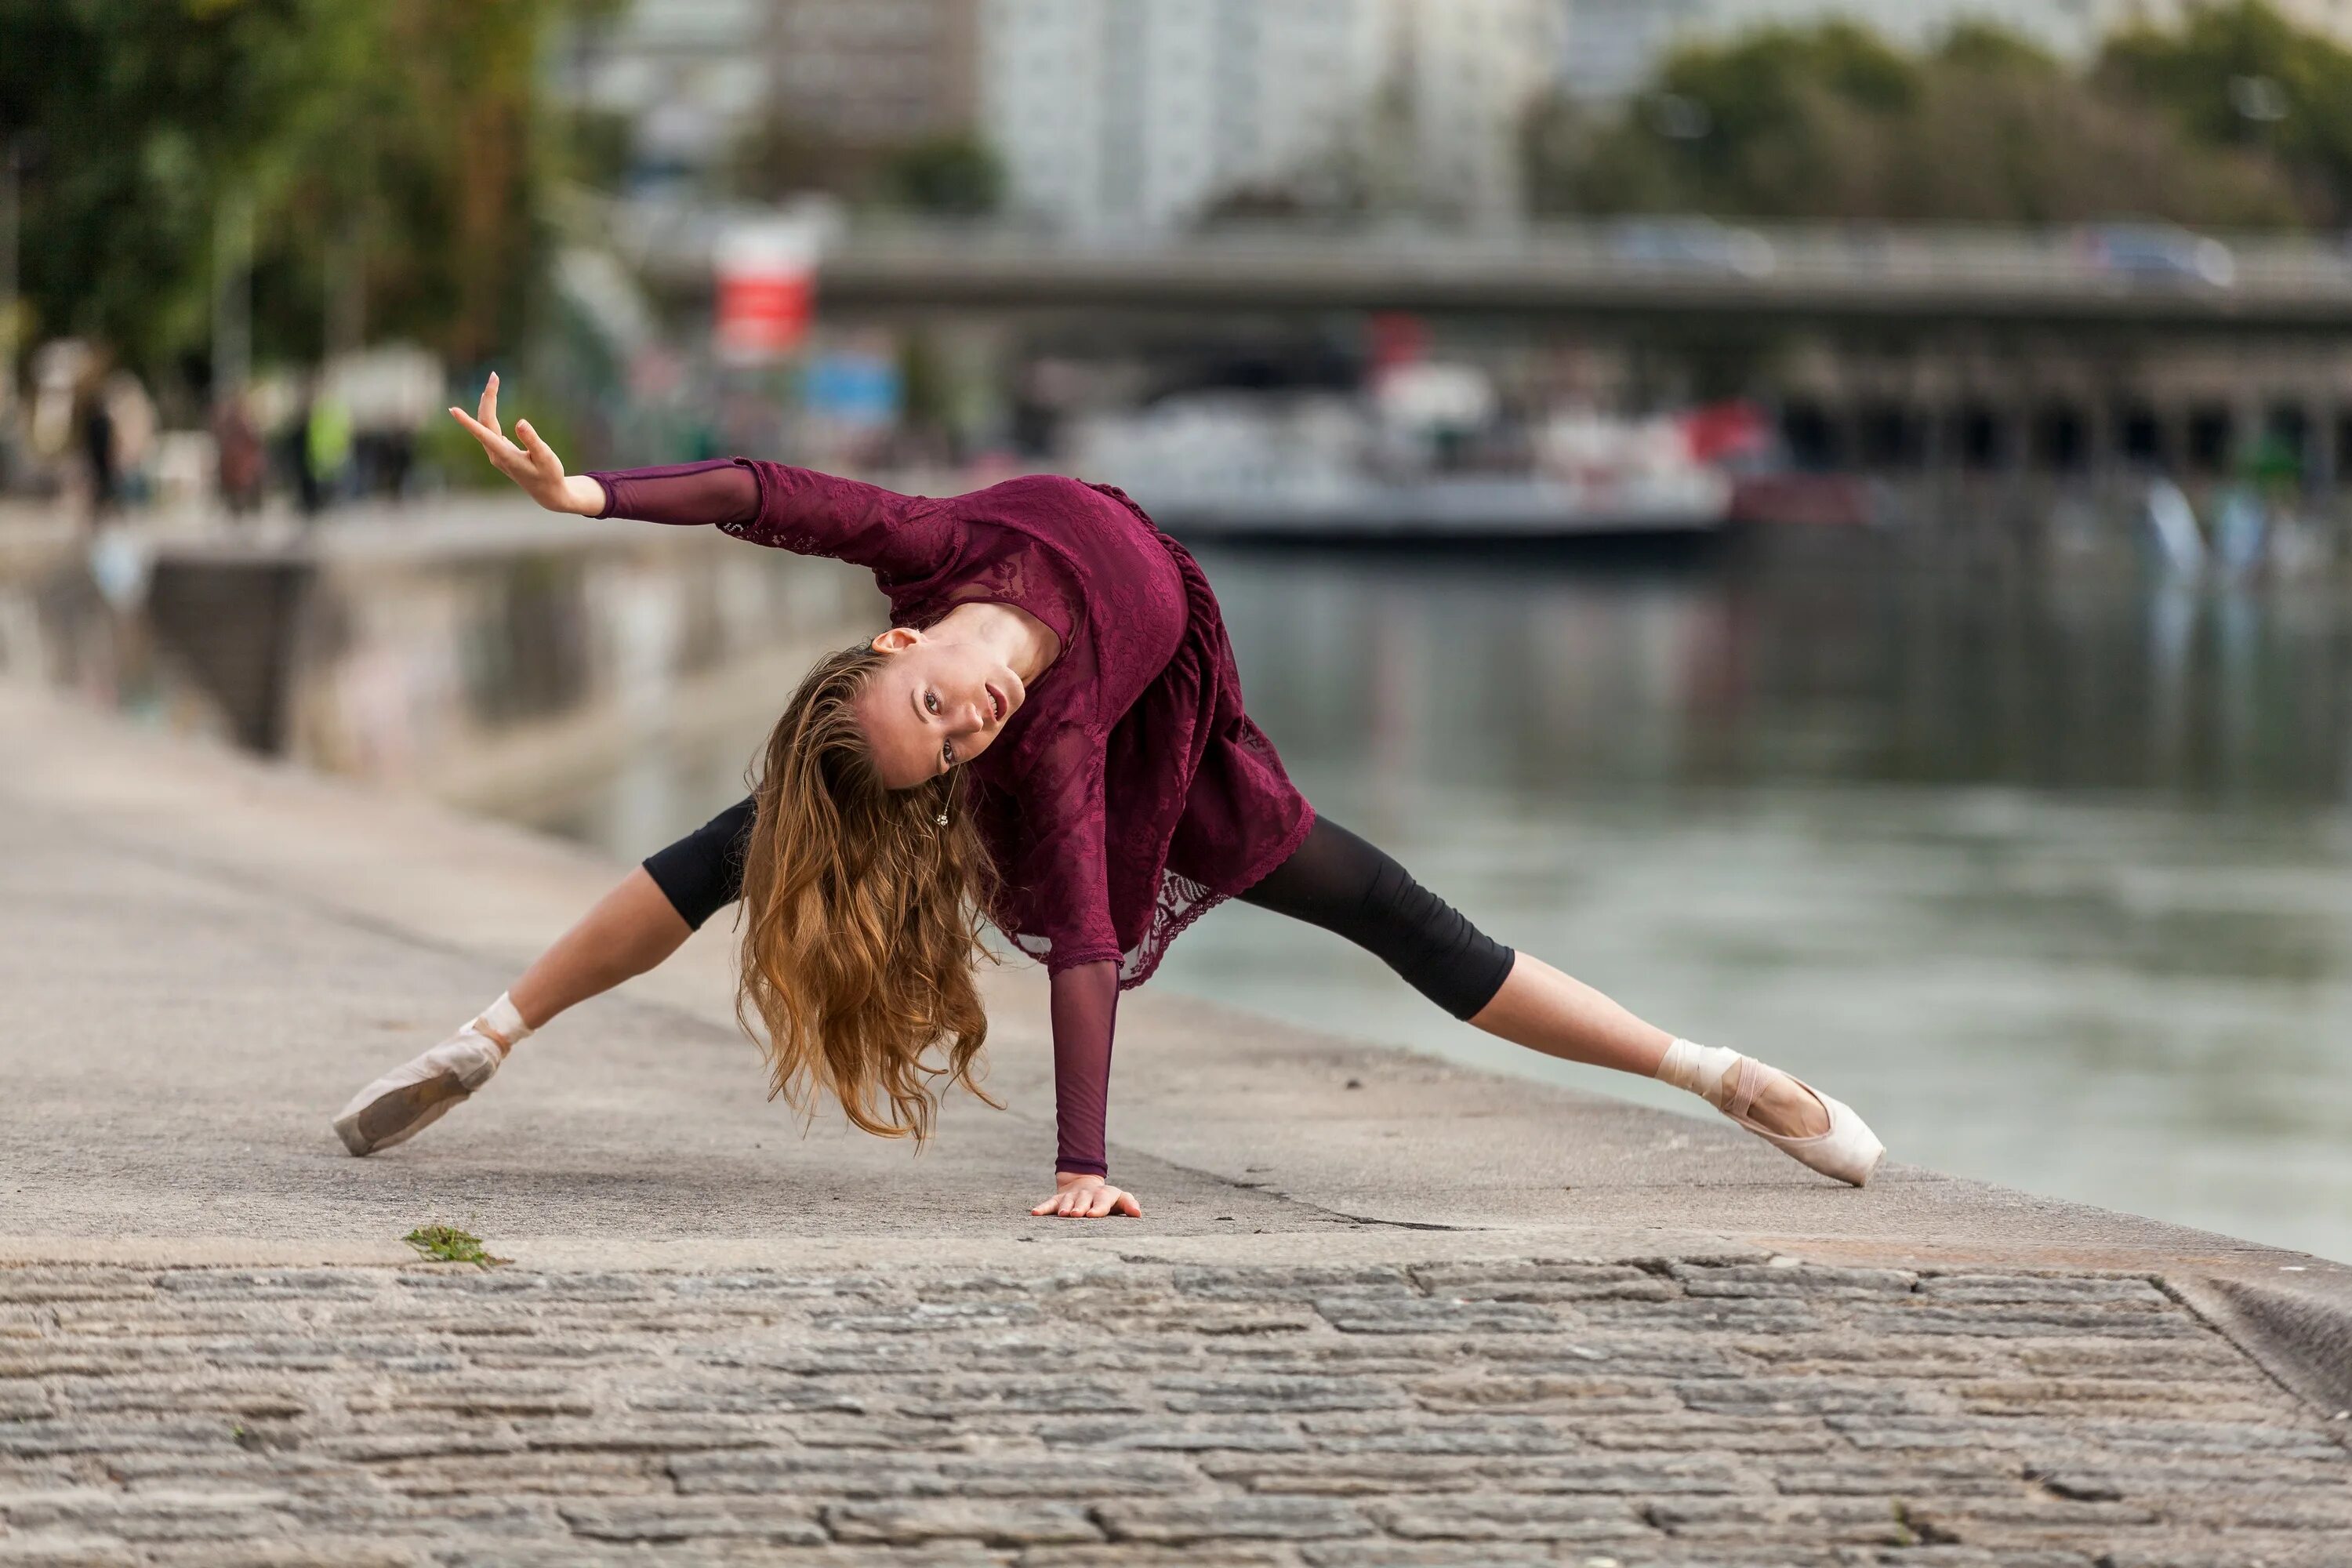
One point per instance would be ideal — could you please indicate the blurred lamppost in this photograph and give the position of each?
(11, 223)
(232, 296)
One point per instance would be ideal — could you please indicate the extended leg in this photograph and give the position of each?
(643, 921)
(630, 930)
(1345, 885)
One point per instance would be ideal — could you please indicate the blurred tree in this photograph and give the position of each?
(1831, 122)
(781, 155)
(2244, 75)
(394, 154)
(958, 175)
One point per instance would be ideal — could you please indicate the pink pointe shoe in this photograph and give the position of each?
(414, 1095)
(1849, 1152)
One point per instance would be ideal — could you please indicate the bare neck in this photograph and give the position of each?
(1026, 643)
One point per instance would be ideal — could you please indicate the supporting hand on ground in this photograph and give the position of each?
(532, 464)
(1087, 1197)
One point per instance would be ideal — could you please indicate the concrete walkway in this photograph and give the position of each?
(1382, 1310)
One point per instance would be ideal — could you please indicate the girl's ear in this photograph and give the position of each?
(897, 639)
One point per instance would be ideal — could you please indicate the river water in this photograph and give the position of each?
(2050, 875)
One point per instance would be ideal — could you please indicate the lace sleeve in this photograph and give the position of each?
(900, 538)
(686, 495)
(1086, 1011)
(1058, 892)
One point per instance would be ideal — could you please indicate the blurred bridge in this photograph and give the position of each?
(1676, 271)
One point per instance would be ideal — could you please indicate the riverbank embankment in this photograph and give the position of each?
(1381, 1310)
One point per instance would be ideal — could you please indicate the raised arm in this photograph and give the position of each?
(900, 538)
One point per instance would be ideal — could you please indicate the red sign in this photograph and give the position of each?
(766, 287)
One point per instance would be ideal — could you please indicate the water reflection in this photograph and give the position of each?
(2047, 875)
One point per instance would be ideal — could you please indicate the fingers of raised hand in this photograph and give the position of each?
(537, 450)
(489, 411)
(496, 445)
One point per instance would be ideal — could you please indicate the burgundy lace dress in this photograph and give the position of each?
(1131, 795)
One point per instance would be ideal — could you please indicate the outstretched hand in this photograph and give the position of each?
(532, 463)
(1087, 1197)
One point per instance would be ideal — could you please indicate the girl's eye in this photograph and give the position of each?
(931, 700)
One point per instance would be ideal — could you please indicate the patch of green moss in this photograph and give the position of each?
(448, 1244)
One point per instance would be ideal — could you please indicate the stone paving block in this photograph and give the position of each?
(991, 1522)
(2041, 1320)
(2178, 1439)
(1270, 1395)
(1200, 1555)
(1537, 1280)
(1841, 1520)
(2222, 1549)
(1032, 1395)
(2095, 1396)
(930, 1318)
(1619, 1353)
(1254, 1434)
(1289, 1284)
(1808, 1396)
(510, 1475)
(1811, 1281)
(1979, 1289)
(1433, 1554)
(1508, 1516)
(668, 1517)
(1701, 1433)
(875, 1476)
(1433, 1315)
(57, 1550)
(1576, 1398)
(1421, 1434)
(1809, 1475)
(1649, 1476)
(1354, 1475)
(1178, 1520)
(1707, 1314)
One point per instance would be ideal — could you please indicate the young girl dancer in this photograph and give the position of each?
(1050, 736)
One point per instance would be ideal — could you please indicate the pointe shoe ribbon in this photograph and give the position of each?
(1849, 1152)
(412, 1097)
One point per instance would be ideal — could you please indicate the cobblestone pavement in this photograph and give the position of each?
(1147, 1415)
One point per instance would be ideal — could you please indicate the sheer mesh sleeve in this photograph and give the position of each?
(900, 538)
(688, 495)
(1086, 1010)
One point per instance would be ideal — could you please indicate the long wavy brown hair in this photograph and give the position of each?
(862, 919)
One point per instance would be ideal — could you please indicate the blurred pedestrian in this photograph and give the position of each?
(94, 433)
(327, 445)
(242, 461)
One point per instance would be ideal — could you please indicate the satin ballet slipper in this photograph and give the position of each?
(414, 1096)
(1849, 1151)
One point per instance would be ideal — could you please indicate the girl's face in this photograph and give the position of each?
(934, 704)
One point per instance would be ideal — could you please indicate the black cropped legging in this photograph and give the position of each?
(1333, 879)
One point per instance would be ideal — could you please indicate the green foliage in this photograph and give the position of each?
(959, 174)
(392, 149)
(780, 156)
(1831, 122)
(448, 1244)
(2244, 75)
